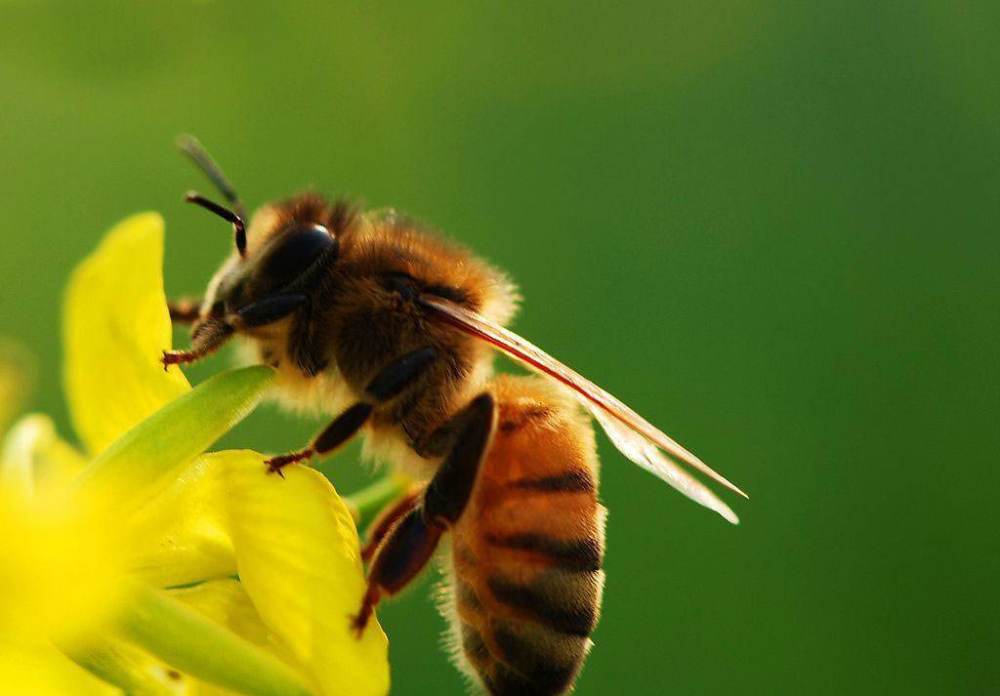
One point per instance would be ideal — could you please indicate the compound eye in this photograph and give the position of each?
(296, 252)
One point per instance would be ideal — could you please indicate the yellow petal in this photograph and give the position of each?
(16, 378)
(60, 565)
(41, 670)
(295, 547)
(60, 570)
(180, 537)
(115, 328)
(298, 557)
(224, 602)
(34, 457)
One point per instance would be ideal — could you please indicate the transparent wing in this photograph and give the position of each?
(633, 435)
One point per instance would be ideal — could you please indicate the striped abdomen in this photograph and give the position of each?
(527, 552)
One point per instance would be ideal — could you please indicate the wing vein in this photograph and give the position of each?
(598, 401)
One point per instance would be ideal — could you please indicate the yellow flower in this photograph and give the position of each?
(159, 569)
(15, 380)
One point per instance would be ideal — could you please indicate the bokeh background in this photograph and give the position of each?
(773, 227)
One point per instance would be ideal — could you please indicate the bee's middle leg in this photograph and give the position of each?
(411, 540)
(185, 310)
(388, 383)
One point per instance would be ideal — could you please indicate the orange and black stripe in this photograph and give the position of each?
(527, 553)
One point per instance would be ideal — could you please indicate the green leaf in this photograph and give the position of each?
(182, 637)
(138, 463)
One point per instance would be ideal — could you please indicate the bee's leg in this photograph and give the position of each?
(389, 382)
(451, 487)
(184, 310)
(209, 335)
(389, 516)
(207, 338)
(267, 311)
(308, 352)
(333, 436)
(411, 541)
(400, 558)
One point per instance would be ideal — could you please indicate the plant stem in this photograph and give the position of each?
(188, 641)
(367, 502)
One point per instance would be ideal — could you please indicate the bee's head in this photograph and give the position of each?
(279, 265)
(282, 252)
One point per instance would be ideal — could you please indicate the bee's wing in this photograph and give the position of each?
(632, 434)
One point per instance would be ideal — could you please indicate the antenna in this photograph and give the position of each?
(239, 226)
(191, 147)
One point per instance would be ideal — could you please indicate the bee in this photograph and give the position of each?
(392, 330)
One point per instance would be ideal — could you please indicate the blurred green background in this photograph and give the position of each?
(772, 227)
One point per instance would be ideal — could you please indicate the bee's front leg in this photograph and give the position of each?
(208, 336)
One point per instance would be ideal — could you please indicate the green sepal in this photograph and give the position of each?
(135, 465)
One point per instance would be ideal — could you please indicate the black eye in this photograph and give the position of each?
(296, 252)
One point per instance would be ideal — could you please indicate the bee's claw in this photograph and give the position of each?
(360, 620)
(276, 464)
(178, 357)
(358, 624)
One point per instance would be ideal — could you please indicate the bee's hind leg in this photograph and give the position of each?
(449, 490)
(400, 558)
(388, 383)
(410, 542)
(387, 518)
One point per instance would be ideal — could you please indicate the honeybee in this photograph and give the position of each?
(392, 330)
